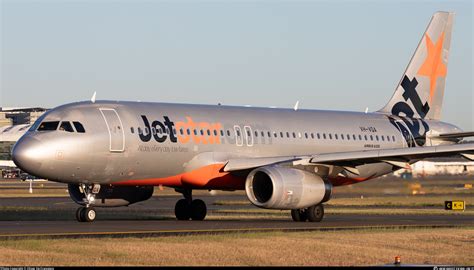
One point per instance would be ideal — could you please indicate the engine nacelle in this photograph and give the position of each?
(112, 196)
(286, 188)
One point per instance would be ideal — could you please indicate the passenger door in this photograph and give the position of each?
(115, 128)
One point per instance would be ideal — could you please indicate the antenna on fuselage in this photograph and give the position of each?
(93, 97)
(296, 105)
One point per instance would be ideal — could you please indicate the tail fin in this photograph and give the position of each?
(420, 91)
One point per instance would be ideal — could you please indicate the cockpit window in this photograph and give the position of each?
(66, 126)
(48, 126)
(79, 127)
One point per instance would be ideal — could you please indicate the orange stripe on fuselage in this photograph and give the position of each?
(207, 177)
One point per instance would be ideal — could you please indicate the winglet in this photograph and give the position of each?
(93, 97)
(296, 105)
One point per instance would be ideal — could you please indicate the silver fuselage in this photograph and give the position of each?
(125, 141)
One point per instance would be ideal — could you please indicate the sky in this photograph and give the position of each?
(337, 55)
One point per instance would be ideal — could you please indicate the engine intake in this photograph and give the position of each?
(112, 196)
(276, 187)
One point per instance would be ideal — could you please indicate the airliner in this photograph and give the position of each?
(113, 153)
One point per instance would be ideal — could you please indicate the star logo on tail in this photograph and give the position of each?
(433, 66)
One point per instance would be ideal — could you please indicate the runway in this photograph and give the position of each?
(155, 218)
(54, 217)
(142, 228)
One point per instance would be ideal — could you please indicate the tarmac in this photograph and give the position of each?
(54, 217)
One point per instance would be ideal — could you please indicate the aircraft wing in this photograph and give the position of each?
(395, 156)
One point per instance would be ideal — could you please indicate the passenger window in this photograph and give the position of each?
(330, 136)
(256, 134)
(228, 133)
(294, 135)
(376, 137)
(312, 136)
(319, 137)
(360, 137)
(383, 139)
(208, 132)
(324, 136)
(371, 137)
(80, 128)
(393, 138)
(354, 137)
(262, 133)
(48, 126)
(335, 136)
(306, 135)
(181, 131)
(365, 137)
(348, 137)
(66, 126)
(131, 130)
(222, 133)
(139, 131)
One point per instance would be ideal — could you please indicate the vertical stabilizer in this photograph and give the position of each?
(420, 91)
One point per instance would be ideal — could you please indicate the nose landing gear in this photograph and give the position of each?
(188, 208)
(313, 213)
(87, 213)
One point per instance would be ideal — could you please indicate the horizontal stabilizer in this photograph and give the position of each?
(453, 135)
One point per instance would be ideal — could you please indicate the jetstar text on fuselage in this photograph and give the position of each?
(189, 131)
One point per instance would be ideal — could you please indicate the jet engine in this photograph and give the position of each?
(112, 196)
(277, 187)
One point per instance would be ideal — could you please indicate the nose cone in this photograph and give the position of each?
(27, 155)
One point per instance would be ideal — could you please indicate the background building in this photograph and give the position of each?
(14, 122)
(437, 166)
(19, 116)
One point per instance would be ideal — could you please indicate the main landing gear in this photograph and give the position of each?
(87, 212)
(313, 213)
(188, 208)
